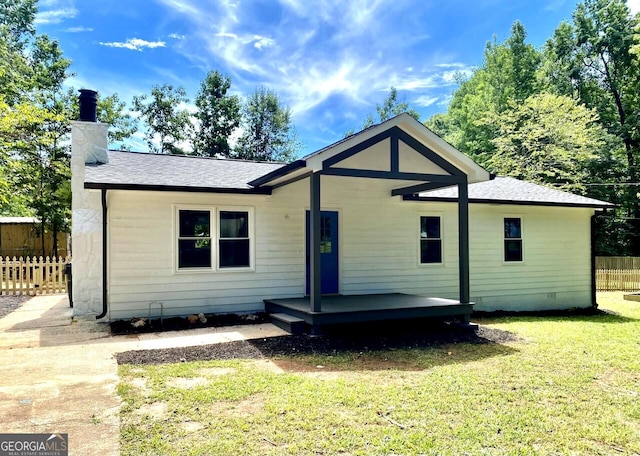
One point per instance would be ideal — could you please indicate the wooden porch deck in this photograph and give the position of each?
(337, 310)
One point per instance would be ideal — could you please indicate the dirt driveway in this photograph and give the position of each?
(59, 374)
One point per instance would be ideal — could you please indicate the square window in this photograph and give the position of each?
(234, 253)
(430, 240)
(195, 224)
(234, 224)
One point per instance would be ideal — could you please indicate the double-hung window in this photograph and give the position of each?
(512, 239)
(234, 245)
(194, 239)
(430, 240)
(214, 238)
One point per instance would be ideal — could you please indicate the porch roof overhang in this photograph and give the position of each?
(400, 149)
(406, 141)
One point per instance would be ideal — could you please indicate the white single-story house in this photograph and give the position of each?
(392, 213)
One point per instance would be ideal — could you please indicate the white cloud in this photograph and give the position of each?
(428, 82)
(78, 29)
(337, 56)
(431, 80)
(233, 36)
(135, 44)
(634, 6)
(424, 101)
(259, 42)
(175, 36)
(450, 65)
(55, 16)
(262, 42)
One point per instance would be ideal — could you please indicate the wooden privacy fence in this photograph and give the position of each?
(33, 276)
(618, 273)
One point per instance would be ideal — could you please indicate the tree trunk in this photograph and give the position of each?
(54, 248)
(42, 252)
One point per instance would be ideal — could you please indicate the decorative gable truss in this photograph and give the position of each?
(394, 154)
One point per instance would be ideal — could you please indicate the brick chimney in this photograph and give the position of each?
(88, 147)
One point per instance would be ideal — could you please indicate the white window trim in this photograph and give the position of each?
(214, 221)
(522, 238)
(176, 237)
(442, 248)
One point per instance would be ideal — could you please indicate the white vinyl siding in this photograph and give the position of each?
(556, 273)
(378, 248)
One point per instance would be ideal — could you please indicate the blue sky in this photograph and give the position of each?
(330, 61)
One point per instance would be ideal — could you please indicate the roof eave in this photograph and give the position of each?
(176, 188)
(509, 202)
(278, 173)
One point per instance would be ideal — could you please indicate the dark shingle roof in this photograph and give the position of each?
(507, 190)
(158, 170)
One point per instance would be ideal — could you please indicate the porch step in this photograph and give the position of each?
(471, 326)
(291, 324)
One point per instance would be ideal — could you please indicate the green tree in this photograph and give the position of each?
(20, 126)
(268, 133)
(549, 139)
(38, 161)
(35, 115)
(218, 115)
(592, 59)
(635, 49)
(16, 31)
(164, 118)
(17, 17)
(507, 75)
(122, 126)
(524, 61)
(389, 108)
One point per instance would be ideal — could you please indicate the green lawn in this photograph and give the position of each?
(571, 385)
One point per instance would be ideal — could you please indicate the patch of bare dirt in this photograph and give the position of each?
(141, 385)
(249, 406)
(157, 411)
(192, 426)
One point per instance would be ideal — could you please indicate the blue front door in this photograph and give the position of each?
(328, 252)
